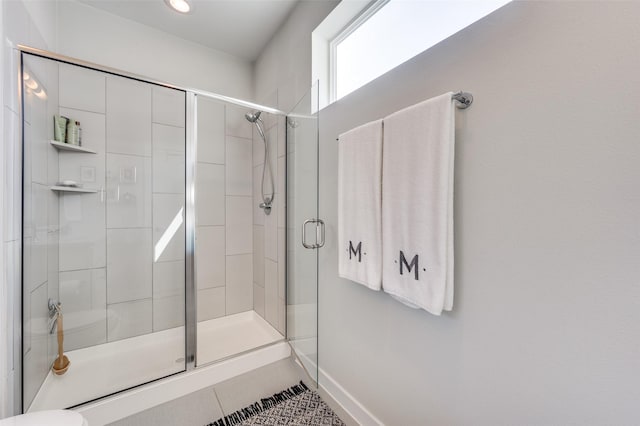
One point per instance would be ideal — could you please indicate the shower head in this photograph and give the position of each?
(253, 117)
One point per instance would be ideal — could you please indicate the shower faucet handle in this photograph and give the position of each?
(55, 310)
(54, 307)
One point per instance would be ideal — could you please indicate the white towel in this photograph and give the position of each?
(417, 204)
(359, 205)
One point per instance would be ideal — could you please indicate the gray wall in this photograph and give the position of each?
(546, 325)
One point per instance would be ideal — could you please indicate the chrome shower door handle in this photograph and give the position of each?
(304, 234)
(319, 234)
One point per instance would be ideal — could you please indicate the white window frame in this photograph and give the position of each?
(343, 21)
(341, 17)
(364, 15)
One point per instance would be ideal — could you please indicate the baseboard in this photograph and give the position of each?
(344, 399)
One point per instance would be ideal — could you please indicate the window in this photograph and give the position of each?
(391, 32)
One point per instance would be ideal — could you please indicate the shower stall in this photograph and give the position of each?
(164, 232)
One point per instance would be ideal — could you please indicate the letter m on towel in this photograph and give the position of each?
(409, 266)
(355, 252)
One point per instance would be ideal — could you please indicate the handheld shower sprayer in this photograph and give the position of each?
(267, 199)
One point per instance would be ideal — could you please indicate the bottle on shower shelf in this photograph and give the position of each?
(73, 132)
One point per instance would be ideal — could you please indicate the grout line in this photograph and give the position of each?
(215, 393)
(226, 161)
(210, 162)
(165, 124)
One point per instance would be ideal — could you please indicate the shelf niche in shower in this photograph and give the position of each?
(72, 189)
(61, 146)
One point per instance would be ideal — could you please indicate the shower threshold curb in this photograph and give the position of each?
(148, 396)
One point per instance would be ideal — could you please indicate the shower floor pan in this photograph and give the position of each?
(105, 369)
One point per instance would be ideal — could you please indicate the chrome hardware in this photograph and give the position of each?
(55, 309)
(266, 206)
(319, 234)
(464, 99)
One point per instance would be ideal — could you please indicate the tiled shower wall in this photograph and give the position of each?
(269, 266)
(111, 286)
(224, 244)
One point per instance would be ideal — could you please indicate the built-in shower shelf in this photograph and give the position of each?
(71, 189)
(61, 146)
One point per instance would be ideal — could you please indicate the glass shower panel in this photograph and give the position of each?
(103, 235)
(302, 205)
(239, 265)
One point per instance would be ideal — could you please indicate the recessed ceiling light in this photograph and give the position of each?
(181, 6)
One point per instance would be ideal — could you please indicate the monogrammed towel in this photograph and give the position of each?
(417, 204)
(359, 204)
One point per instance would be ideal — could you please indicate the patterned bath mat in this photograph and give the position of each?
(297, 405)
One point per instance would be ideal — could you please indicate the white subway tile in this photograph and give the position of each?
(168, 295)
(53, 262)
(83, 295)
(168, 159)
(272, 142)
(239, 283)
(168, 106)
(258, 255)
(282, 136)
(211, 303)
(38, 142)
(271, 234)
(82, 231)
(36, 362)
(239, 225)
(282, 263)
(258, 148)
(210, 256)
(210, 131)
(168, 312)
(128, 116)
(258, 300)
(271, 292)
(36, 247)
(236, 123)
(281, 193)
(128, 191)
(210, 197)
(129, 265)
(282, 317)
(238, 170)
(258, 213)
(168, 241)
(129, 319)
(81, 88)
(168, 279)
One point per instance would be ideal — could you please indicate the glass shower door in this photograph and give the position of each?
(304, 231)
(103, 233)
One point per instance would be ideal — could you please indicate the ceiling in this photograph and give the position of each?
(239, 27)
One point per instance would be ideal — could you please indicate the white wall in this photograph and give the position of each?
(545, 324)
(283, 69)
(93, 35)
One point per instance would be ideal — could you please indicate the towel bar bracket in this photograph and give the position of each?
(463, 99)
(320, 233)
